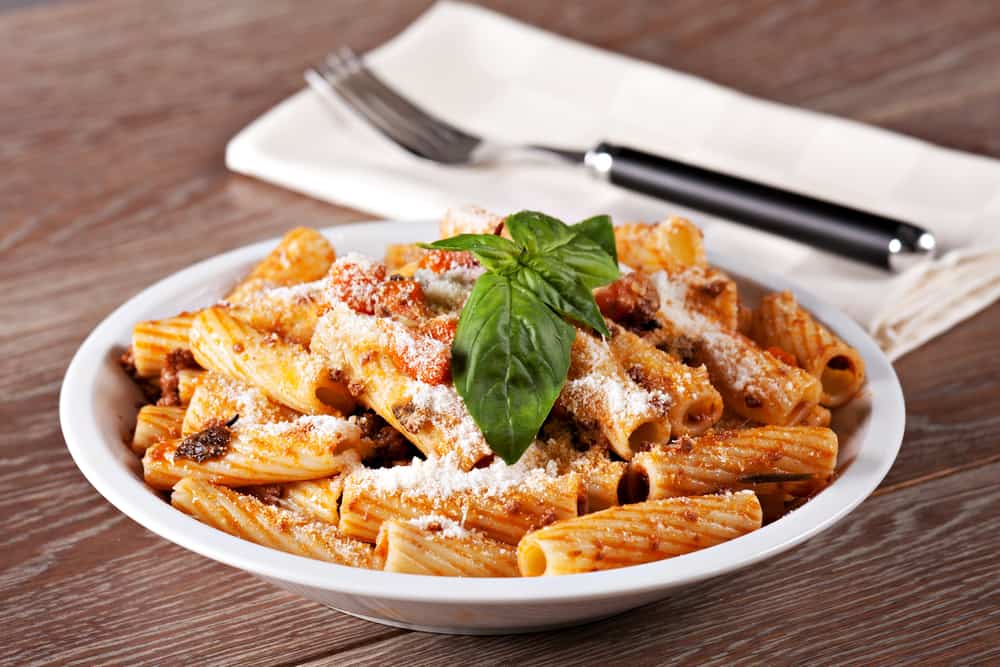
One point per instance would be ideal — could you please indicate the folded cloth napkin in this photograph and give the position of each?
(509, 81)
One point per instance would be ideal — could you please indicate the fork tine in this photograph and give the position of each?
(373, 106)
(334, 74)
(345, 75)
(354, 79)
(400, 104)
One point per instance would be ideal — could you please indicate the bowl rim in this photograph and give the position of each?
(112, 478)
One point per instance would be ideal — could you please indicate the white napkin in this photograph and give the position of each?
(509, 81)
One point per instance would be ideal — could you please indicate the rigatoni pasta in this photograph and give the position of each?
(779, 322)
(153, 340)
(310, 447)
(431, 415)
(438, 546)
(289, 312)
(639, 533)
(303, 255)
(607, 404)
(187, 382)
(694, 405)
(288, 373)
(753, 382)
(600, 475)
(469, 220)
(247, 517)
(671, 244)
(801, 459)
(155, 423)
(501, 503)
(315, 498)
(219, 398)
(818, 416)
(312, 410)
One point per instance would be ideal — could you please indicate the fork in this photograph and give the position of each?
(863, 236)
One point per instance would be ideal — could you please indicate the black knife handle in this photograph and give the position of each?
(867, 237)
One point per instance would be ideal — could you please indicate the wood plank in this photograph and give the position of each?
(952, 400)
(908, 578)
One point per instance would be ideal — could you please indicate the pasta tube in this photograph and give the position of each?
(286, 372)
(154, 339)
(398, 255)
(437, 546)
(735, 459)
(710, 293)
(753, 383)
(818, 416)
(187, 382)
(639, 533)
(780, 322)
(315, 498)
(302, 255)
(470, 220)
(290, 312)
(604, 402)
(155, 423)
(432, 416)
(503, 502)
(309, 448)
(671, 244)
(219, 398)
(600, 476)
(694, 404)
(247, 517)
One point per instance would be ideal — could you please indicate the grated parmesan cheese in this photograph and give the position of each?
(441, 478)
(250, 402)
(449, 290)
(742, 368)
(441, 404)
(295, 293)
(421, 357)
(354, 279)
(440, 525)
(622, 399)
(323, 426)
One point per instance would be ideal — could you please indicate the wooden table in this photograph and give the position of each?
(113, 119)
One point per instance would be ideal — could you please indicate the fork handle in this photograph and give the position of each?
(859, 235)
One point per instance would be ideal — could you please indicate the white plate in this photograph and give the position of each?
(97, 411)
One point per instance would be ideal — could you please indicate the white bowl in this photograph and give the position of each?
(97, 410)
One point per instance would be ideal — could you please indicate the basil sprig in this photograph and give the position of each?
(511, 351)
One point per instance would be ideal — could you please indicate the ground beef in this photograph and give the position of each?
(269, 494)
(389, 446)
(177, 359)
(209, 443)
(150, 392)
(632, 301)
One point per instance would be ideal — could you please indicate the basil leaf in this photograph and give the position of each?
(592, 265)
(558, 286)
(588, 248)
(509, 362)
(511, 350)
(493, 252)
(539, 233)
(601, 231)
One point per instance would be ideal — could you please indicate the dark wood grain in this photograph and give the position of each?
(113, 119)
